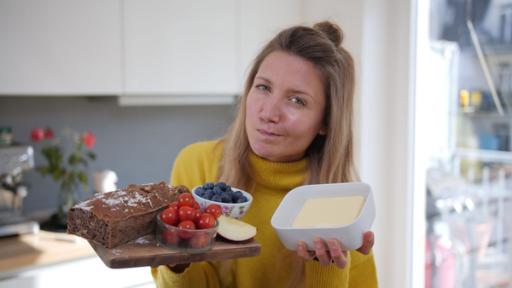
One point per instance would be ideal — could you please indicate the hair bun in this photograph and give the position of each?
(331, 30)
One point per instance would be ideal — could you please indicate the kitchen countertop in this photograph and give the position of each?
(25, 252)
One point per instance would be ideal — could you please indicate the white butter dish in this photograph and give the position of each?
(350, 235)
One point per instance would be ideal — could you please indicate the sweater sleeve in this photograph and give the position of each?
(318, 275)
(360, 273)
(193, 166)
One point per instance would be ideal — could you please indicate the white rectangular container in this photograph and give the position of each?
(350, 235)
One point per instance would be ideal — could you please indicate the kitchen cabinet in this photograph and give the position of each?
(259, 22)
(60, 47)
(180, 47)
(148, 52)
(188, 52)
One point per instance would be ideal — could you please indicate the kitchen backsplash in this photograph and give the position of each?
(138, 143)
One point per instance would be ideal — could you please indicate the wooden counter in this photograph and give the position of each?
(30, 251)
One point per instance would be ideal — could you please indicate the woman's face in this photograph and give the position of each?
(285, 107)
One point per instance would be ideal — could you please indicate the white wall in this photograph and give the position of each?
(386, 133)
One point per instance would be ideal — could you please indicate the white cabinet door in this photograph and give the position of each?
(180, 47)
(259, 22)
(60, 47)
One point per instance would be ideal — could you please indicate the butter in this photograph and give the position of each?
(329, 212)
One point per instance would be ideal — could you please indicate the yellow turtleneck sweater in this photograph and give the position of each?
(275, 266)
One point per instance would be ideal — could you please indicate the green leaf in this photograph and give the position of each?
(82, 177)
(57, 173)
(74, 159)
(91, 155)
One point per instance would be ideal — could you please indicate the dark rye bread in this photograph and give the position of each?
(116, 217)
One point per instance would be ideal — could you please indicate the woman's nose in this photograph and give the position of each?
(270, 110)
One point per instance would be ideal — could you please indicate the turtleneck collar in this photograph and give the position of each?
(278, 175)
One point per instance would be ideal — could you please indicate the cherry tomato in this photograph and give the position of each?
(170, 237)
(186, 213)
(206, 221)
(185, 199)
(187, 224)
(169, 216)
(213, 209)
(195, 205)
(174, 205)
(200, 240)
(197, 215)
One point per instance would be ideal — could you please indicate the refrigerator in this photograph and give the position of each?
(464, 95)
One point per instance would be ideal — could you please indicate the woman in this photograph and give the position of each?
(293, 127)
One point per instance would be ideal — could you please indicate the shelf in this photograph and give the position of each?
(485, 155)
(485, 114)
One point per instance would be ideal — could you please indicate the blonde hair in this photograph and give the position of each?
(330, 156)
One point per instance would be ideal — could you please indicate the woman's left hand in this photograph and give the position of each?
(331, 251)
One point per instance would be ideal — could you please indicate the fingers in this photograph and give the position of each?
(327, 252)
(321, 251)
(368, 241)
(338, 255)
(302, 251)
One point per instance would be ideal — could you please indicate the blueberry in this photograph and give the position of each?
(230, 195)
(208, 194)
(237, 195)
(217, 191)
(216, 198)
(221, 185)
(208, 185)
(228, 188)
(241, 200)
(200, 191)
(226, 198)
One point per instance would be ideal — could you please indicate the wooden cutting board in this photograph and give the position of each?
(145, 251)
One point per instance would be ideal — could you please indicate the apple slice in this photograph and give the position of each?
(234, 229)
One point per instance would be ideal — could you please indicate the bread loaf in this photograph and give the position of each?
(116, 217)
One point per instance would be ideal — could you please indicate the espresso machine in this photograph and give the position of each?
(14, 160)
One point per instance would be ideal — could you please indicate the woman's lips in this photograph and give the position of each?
(267, 133)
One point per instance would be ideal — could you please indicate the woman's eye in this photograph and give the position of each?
(262, 87)
(298, 101)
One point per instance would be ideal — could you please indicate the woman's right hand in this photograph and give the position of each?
(332, 251)
(179, 268)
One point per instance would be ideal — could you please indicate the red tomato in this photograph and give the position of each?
(170, 237)
(195, 205)
(174, 206)
(197, 215)
(206, 221)
(186, 213)
(213, 209)
(169, 216)
(200, 240)
(187, 224)
(185, 199)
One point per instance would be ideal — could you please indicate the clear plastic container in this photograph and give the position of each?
(190, 241)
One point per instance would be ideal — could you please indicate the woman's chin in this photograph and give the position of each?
(264, 152)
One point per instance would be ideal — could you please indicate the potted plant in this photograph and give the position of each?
(67, 160)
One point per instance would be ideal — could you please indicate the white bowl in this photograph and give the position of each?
(234, 210)
(350, 235)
